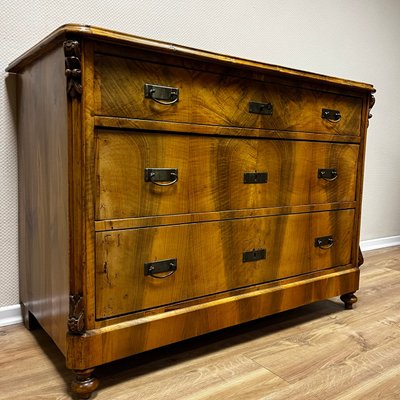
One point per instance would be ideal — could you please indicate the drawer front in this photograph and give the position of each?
(213, 257)
(216, 174)
(210, 98)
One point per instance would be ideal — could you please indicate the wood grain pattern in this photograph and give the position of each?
(43, 194)
(82, 158)
(210, 254)
(118, 38)
(226, 296)
(177, 219)
(214, 99)
(119, 340)
(224, 364)
(212, 130)
(211, 173)
(87, 200)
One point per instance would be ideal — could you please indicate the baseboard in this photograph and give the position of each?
(10, 315)
(380, 243)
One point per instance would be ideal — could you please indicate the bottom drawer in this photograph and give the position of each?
(213, 257)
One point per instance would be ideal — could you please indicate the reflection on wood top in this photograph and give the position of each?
(73, 30)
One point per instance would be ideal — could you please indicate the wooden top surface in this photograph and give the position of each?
(93, 32)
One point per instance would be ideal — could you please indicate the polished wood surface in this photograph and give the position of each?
(211, 173)
(219, 130)
(311, 352)
(211, 255)
(216, 99)
(88, 219)
(110, 36)
(43, 195)
(134, 336)
(174, 219)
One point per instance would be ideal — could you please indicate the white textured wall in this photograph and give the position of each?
(355, 39)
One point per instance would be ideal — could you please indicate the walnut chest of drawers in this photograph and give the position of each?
(166, 192)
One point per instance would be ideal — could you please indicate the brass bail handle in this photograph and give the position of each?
(324, 243)
(168, 267)
(164, 103)
(173, 174)
(151, 273)
(328, 174)
(158, 175)
(331, 115)
(165, 95)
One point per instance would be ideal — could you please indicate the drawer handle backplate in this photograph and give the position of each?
(260, 108)
(324, 242)
(254, 255)
(255, 177)
(327, 174)
(331, 115)
(160, 93)
(157, 175)
(157, 267)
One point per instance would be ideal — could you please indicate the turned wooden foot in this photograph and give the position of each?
(84, 383)
(348, 299)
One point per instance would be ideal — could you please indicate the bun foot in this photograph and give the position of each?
(348, 299)
(84, 383)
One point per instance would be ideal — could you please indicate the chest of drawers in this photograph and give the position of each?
(167, 192)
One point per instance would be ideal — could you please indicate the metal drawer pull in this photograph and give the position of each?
(260, 108)
(157, 175)
(160, 93)
(255, 177)
(331, 115)
(324, 242)
(158, 267)
(328, 174)
(254, 255)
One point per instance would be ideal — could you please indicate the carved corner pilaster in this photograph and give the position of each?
(73, 70)
(76, 322)
(371, 103)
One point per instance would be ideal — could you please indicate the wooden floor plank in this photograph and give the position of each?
(316, 352)
(351, 378)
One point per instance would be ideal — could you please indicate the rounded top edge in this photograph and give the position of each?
(103, 34)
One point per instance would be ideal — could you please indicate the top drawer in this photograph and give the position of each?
(218, 99)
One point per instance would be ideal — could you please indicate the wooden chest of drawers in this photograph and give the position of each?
(167, 192)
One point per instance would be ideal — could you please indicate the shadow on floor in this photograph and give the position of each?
(155, 360)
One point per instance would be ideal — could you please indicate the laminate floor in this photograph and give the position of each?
(319, 351)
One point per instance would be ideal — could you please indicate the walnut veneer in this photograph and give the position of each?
(258, 212)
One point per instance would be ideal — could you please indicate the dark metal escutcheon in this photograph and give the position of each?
(161, 94)
(156, 175)
(156, 267)
(324, 242)
(260, 108)
(254, 255)
(331, 115)
(328, 174)
(255, 177)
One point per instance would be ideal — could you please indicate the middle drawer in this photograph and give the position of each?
(216, 173)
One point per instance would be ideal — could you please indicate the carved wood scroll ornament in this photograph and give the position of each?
(371, 104)
(73, 70)
(76, 323)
